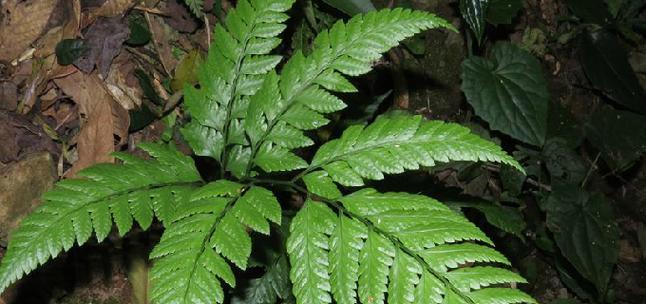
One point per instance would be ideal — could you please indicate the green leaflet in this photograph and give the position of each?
(509, 92)
(234, 70)
(206, 229)
(299, 96)
(393, 145)
(76, 208)
(394, 247)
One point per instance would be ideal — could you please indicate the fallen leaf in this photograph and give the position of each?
(22, 22)
(110, 8)
(104, 118)
(162, 36)
(8, 96)
(103, 40)
(123, 84)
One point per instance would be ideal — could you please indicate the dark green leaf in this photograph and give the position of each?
(140, 118)
(473, 12)
(503, 11)
(147, 86)
(69, 50)
(620, 136)
(590, 11)
(512, 180)
(563, 163)
(605, 62)
(509, 92)
(586, 232)
(139, 33)
(352, 7)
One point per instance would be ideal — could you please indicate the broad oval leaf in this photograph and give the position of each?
(503, 11)
(585, 231)
(509, 92)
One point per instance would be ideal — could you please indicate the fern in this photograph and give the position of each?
(195, 6)
(398, 247)
(361, 247)
(76, 208)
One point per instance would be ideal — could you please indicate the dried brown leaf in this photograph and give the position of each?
(104, 118)
(103, 40)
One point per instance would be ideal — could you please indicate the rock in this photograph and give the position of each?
(21, 186)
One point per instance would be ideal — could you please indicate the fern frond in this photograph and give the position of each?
(76, 208)
(268, 288)
(394, 248)
(208, 227)
(299, 97)
(393, 145)
(237, 60)
(195, 6)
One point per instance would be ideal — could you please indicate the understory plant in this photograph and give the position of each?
(346, 243)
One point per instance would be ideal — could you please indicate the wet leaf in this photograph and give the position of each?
(585, 230)
(605, 62)
(69, 50)
(509, 92)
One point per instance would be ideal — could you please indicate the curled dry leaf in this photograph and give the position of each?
(110, 8)
(21, 24)
(104, 118)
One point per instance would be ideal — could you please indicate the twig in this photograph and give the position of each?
(208, 30)
(592, 167)
(151, 10)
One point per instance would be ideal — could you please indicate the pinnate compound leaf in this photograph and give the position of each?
(393, 145)
(76, 207)
(395, 248)
(509, 92)
(299, 96)
(586, 232)
(234, 69)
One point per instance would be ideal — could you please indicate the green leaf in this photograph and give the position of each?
(605, 62)
(586, 232)
(68, 50)
(273, 284)
(503, 11)
(76, 207)
(321, 184)
(393, 145)
(296, 97)
(473, 12)
(139, 32)
(394, 248)
(618, 135)
(352, 7)
(509, 92)
(307, 246)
